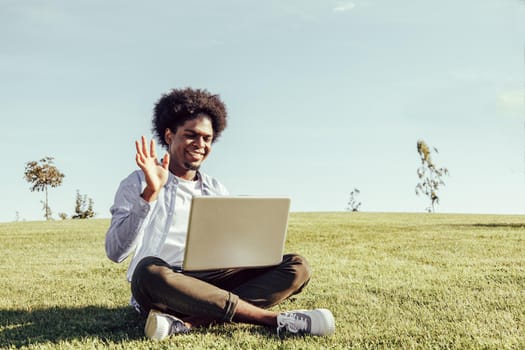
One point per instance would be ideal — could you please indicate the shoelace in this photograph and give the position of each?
(294, 322)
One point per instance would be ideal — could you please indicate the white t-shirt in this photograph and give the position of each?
(173, 250)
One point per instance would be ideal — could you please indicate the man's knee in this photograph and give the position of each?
(147, 280)
(301, 269)
(148, 267)
(149, 274)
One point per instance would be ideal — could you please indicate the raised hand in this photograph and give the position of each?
(156, 172)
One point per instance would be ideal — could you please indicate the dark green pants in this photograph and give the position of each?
(214, 294)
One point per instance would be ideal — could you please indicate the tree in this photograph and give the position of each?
(83, 207)
(41, 175)
(430, 176)
(353, 204)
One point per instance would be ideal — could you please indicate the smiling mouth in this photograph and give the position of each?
(195, 156)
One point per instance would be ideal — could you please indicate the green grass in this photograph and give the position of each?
(407, 281)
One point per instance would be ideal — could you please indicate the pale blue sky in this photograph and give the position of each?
(323, 96)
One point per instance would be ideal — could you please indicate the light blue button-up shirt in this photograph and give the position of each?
(140, 226)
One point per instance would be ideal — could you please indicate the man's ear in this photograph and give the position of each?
(168, 135)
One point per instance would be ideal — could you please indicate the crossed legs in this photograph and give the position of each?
(200, 298)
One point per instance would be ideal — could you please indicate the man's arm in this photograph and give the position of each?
(132, 204)
(129, 212)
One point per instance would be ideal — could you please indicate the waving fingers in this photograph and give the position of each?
(142, 155)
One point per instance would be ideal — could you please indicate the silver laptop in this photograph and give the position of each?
(235, 231)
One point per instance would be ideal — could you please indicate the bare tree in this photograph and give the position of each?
(353, 204)
(430, 176)
(41, 175)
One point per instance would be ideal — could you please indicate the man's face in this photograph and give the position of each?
(189, 146)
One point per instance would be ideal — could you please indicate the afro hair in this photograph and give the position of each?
(180, 105)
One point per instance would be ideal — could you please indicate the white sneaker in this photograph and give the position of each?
(315, 322)
(160, 325)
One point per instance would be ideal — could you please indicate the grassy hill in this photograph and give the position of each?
(404, 281)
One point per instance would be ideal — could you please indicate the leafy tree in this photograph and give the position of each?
(41, 175)
(83, 207)
(353, 204)
(430, 176)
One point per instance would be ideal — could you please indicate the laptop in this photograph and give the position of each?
(235, 232)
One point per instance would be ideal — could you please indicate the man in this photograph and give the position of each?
(150, 216)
